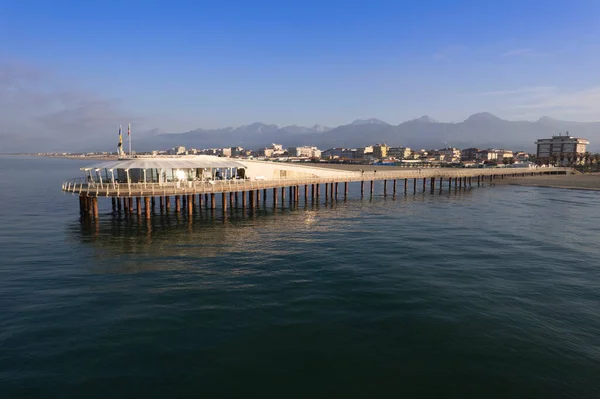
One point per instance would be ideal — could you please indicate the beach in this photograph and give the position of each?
(588, 181)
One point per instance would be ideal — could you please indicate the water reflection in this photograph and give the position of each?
(169, 241)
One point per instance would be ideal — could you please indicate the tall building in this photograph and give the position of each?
(380, 151)
(364, 152)
(177, 151)
(273, 149)
(450, 154)
(226, 152)
(306, 151)
(399, 152)
(469, 154)
(561, 145)
(332, 153)
(487, 155)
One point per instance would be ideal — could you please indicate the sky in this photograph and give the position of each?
(86, 66)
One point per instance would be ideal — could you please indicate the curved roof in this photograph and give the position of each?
(188, 162)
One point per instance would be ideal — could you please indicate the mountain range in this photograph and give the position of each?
(482, 130)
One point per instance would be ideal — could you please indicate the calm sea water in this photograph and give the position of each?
(493, 292)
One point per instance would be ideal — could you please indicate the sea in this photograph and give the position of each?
(484, 292)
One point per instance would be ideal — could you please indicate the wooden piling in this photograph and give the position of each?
(274, 195)
(306, 193)
(345, 189)
(243, 194)
(130, 199)
(424, 184)
(138, 205)
(118, 205)
(147, 206)
(168, 202)
(362, 188)
(224, 201)
(405, 185)
(385, 187)
(90, 206)
(336, 189)
(251, 198)
(257, 198)
(414, 186)
(114, 204)
(190, 204)
(394, 186)
(213, 204)
(372, 187)
(95, 205)
(177, 204)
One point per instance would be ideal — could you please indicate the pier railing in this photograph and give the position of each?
(110, 189)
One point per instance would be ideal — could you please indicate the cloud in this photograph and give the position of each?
(581, 104)
(524, 52)
(574, 101)
(36, 106)
(535, 90)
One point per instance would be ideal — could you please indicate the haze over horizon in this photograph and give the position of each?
(72, 72)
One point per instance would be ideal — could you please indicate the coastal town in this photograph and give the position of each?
(559, 150)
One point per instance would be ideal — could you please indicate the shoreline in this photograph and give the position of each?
(585, 182)
(92, 158)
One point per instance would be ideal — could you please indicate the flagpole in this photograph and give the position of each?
(120, 145)
(129, 135)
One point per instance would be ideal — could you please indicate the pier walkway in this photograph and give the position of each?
(189, 192)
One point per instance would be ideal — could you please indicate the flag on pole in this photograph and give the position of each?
(129, 136)
(120, 138)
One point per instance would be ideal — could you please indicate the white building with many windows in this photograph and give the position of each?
(305, 151)
(561, 145)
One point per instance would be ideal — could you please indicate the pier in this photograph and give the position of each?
(140, 186)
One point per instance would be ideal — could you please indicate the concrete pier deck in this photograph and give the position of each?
(108, 189)
(141, 196)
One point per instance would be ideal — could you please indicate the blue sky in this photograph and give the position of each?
(180, 65)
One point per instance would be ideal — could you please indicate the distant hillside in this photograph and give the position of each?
(479, 130)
